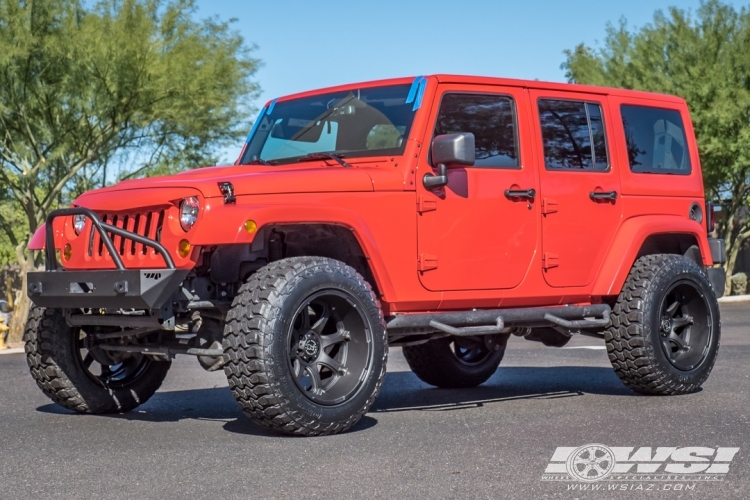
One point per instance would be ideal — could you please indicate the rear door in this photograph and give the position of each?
(471, 235)
(579, 184)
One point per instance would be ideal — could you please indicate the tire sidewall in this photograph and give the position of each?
(679, 271)
(296, 292)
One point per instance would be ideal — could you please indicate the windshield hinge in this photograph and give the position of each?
(227, 189)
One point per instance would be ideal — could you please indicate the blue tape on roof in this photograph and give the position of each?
(256, 125)
(271, 106)
(413, 90)
(420, 94)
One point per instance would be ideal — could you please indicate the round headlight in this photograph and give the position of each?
(189, 208)
(79, 222)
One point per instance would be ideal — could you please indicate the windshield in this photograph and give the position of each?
(360, 122)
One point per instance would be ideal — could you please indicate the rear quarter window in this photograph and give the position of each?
(656, 140)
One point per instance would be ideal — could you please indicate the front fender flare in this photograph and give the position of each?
(225, 225)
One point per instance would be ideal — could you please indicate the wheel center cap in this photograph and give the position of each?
(311, 347)
(666, 325)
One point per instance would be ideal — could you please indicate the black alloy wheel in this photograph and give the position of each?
(685, 326)
(328, 368)
(456, 362)
(305, 346)
(469, 351)
(108, 368)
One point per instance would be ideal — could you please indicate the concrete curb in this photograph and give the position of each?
(735, 298)
(17, 350)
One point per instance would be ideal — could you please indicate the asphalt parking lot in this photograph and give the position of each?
(496, 441)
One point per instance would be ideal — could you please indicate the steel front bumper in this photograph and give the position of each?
(108, 289)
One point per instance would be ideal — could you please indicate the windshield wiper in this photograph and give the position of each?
(325, 156)
(259, 162)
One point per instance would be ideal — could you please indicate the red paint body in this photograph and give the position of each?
(476, 248)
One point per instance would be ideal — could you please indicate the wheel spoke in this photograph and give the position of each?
(334, 338)
(322, 320)
(680, 322)
(672, 309)
(305, 319)
(299, 369)
(599, 469)
(317, 384)
(330, 363)
(87, 360)
(667, 348)
(677, 340)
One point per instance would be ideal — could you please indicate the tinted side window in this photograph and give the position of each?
(656, 140)
(573, 135)
(492, 120)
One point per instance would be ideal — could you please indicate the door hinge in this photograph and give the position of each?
(425, 205)
(427, 262)
(549, 206)
(550, 260)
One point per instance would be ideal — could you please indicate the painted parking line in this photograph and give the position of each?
(592, 347)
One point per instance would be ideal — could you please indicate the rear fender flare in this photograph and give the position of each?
(629, 240)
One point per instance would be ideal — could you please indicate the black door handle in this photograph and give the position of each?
(521, 193)
(606, 195)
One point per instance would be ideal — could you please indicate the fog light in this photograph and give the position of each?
(184, 248)
(67, 251)
(250, 226)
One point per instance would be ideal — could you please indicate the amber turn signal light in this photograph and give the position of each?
(250, 226)
(67, 251)
(184, 248)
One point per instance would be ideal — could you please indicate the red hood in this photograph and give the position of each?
(248, 180)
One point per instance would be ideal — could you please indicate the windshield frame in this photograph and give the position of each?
(404, 115)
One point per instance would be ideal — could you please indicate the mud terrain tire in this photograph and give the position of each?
(436, 362)
(665, 300)
(57, 368)
(270, 353)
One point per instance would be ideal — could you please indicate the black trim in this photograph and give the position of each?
(718, 250)
(718, 279)
(103, 229)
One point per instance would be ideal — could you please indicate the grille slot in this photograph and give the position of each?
(147, 223)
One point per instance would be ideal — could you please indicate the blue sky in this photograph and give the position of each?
(310, 44)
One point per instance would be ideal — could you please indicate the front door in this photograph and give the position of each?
(471, 235)
(580, 186)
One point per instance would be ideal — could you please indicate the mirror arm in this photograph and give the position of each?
(431, 180)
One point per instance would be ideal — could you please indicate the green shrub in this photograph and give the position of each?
(739, 284)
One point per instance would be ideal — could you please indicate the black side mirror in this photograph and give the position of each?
(449, 151)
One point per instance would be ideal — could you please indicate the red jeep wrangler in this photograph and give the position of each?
(441, 214)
